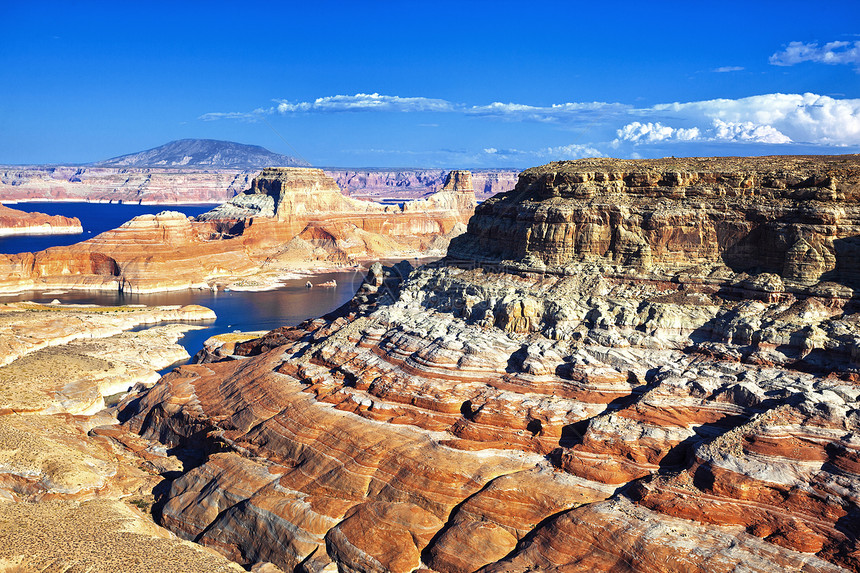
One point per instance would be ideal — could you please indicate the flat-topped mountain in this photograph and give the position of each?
(204, 153)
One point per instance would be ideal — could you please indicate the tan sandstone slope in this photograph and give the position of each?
(290, 218)
(622, 366)
(75, 488)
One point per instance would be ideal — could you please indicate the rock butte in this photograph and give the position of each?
(289, 218)
(643, 366)
(15, 222)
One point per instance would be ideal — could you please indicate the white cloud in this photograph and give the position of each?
(725, 69)
(572, 151)
(652, 132)
(802, 118)
(551, 113)
(769, 118)
(839, 52)
(365, 102)
(747, 132)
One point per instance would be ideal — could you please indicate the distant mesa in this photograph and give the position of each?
(211, 153)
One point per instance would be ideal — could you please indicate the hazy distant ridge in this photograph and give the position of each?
(204, 153)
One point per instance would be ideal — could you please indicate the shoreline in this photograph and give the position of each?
(40, 230)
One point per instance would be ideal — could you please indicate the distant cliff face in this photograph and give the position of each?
(196, 184)
(149, 186)
(414, 183)
(594, 388)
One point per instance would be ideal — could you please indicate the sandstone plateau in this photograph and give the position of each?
(289, 219)
(15, 222)
(621, 366)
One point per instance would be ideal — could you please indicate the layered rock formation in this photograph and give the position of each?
(290, 218)
(143, 185)
(15, 222)
(639, 373)
(75, 488)
(211, 184)
(416, 183)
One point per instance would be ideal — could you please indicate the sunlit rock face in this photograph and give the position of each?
(15, 222)
(797, 217)
(538, 410)
(289, 218)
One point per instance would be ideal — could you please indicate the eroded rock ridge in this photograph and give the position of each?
(563, 403)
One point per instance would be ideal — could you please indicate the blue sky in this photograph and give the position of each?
(431, 84)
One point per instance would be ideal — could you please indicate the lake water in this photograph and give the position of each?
(236, 310)
(95, 218)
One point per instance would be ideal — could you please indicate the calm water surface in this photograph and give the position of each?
(95, 218)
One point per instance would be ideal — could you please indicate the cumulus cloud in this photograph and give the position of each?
(803, 118)
(747, 131)
(839, 52)
(652, 132)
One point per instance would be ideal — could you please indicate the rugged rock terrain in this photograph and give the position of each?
(289, 219)
(622, 366)
(75, 488)
(15, 222)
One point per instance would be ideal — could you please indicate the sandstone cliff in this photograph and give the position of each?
(290, 218)
(415, 183)
(609, 387)
(122, 185)
(15, 222)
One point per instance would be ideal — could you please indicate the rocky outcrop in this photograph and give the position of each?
(794, 217)
(15, 222)
(538, 410)
(75, 488)
(288, 218)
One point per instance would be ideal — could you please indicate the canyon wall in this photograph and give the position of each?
(289, 219)
(603, 385)
(415, 183)
(174, 185)
(121, 185)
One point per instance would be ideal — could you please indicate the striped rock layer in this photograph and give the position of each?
(490, 417)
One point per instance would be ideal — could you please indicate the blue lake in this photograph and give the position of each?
(95, 218)
(236, 310)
